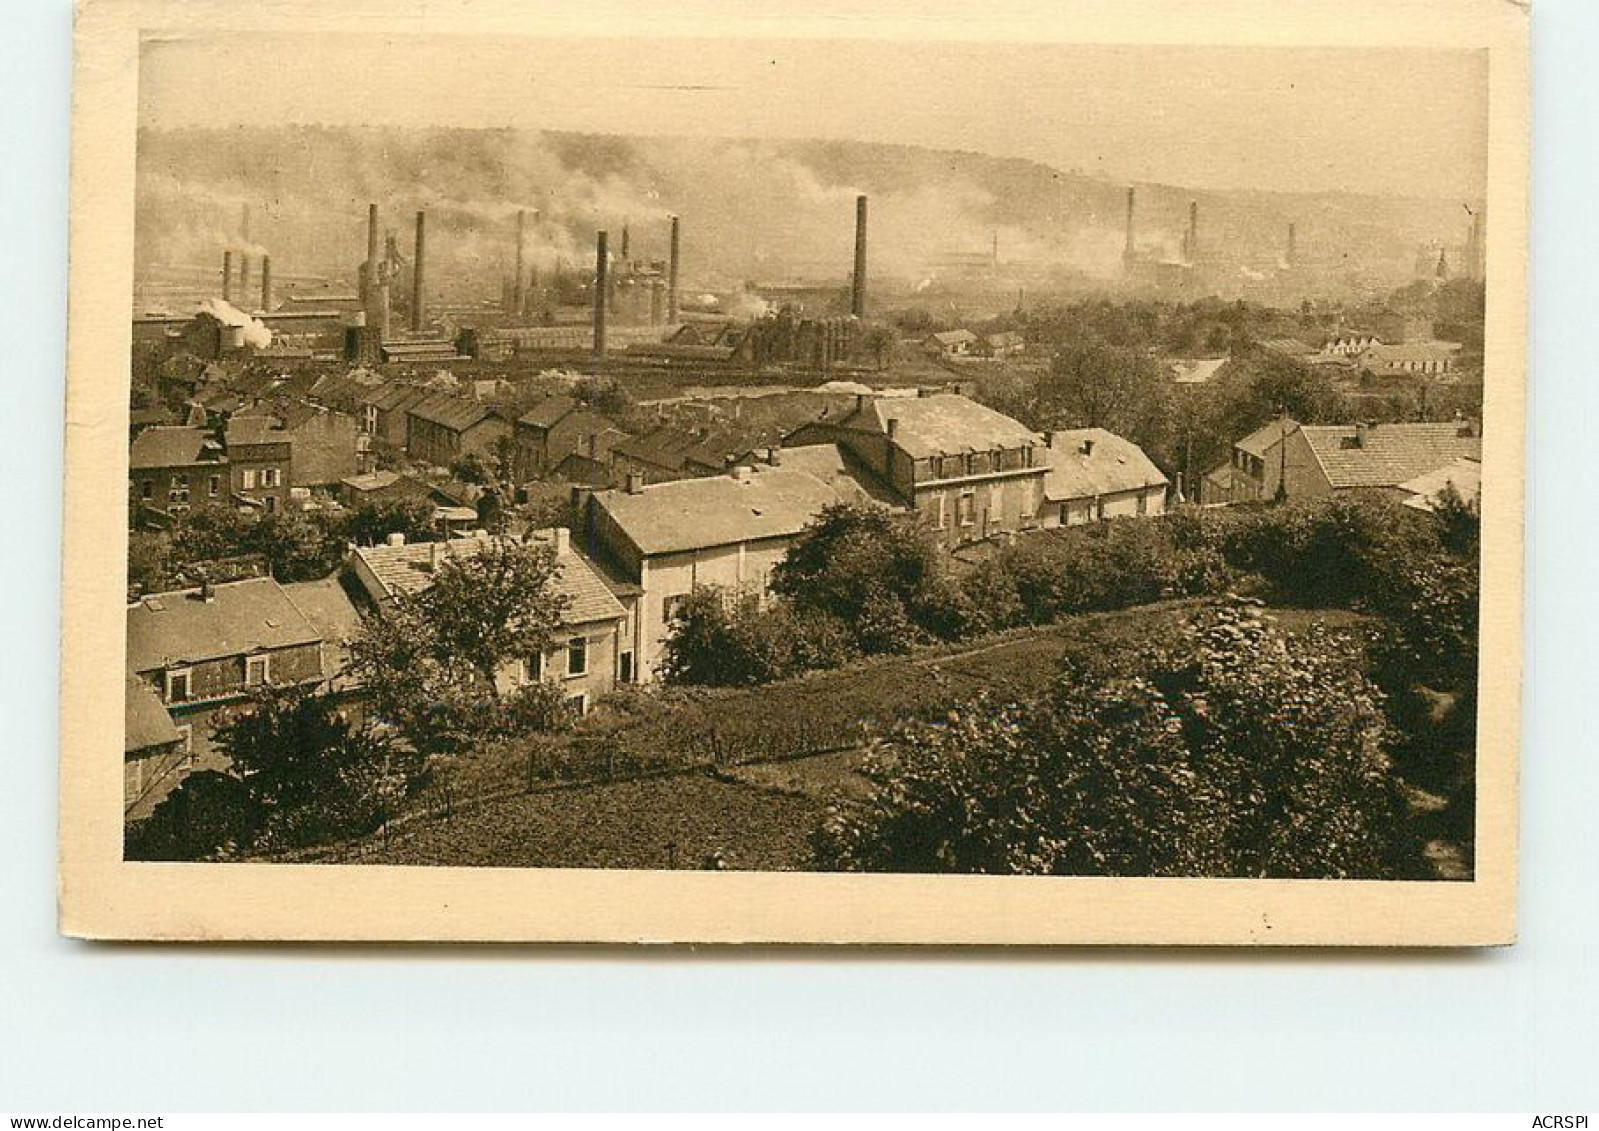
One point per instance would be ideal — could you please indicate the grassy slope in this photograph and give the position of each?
(757, 816)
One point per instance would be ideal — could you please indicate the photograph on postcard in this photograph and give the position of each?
(810, 456)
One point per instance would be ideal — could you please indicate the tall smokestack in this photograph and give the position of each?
(671, 276)
(518, 293)
(1127, 248)
(369, 269)
(417, 293)
(266, 282)
(624, 239)
(227, 276)
(857, 294)
(993, 257)
(1293, 244)
(655, 302)
(244, 276)
(1193, 231)
(601, 287)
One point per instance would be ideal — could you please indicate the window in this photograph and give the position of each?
(577, 656)
(943, 512)
(147, 489)
(624, 668)
(533, 668)
(214, 486)
(673, 607)
(966, 509)
(269, 477)
(1143, 502)
(257, 670)
(578, 705)
(249, 479)
(178, 690)
(271, 503)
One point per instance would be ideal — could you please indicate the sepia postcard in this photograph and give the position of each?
(1049, 474)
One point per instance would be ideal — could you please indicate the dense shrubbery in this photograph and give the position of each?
(300, 773)
(1240, 753)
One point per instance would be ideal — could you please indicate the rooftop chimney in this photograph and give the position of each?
(395, 539)
(417, 268)
(635, 483)
(1363, 433)
(671, 277)
(435, 554)
(518, 294)
(1127, 247)
(1088, 447)
(857, 295)
(227, 276)
(266, 282)
(601, 287)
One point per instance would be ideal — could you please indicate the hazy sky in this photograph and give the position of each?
(1389, 121)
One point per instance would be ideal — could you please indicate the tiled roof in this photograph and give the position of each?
(943, 424)
(409, 569)
(1267, 437)
(248, 430)
(145, 721)
(174, 446)
(391, 398)
(721, 510)
(331, 612)
(836, 466)
(1113, 465)
(1390, 454)
(168, 629)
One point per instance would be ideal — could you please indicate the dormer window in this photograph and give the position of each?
(178, 685)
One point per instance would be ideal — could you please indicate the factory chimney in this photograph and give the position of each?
(857, 294)
(244, 276)
(671, 277)
(601, 287)
(1293, 244)
(417, 292)
(266, 282)
(1191, 243)
(518, 293)
(1127, 247)
(227, 276)
(624, 240)
(993, 258)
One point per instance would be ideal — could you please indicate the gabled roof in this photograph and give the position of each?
(248, 430)
(174, 446)
(371, 481)
(721, 510)
(547, 411)
(452, 412)
(1267, 437)
(1111, 465)
(393, 398)
(1464, 475)
(409, 569)
(840, 469)
(952, 337)
(1410, 351)
(242, 617)
(145, 721)
(1388, 454)
(942, 424)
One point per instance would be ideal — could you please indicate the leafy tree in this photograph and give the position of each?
(371, 523)
(209, 815)
(431, 663)
(1240, 753)
(879, 574)
(722, 640)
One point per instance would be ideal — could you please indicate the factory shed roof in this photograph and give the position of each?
(172, 446)
(547, 412)
(1085, 463)
(723, 510)
(241, 618)
(453, 412)
(1386, 455)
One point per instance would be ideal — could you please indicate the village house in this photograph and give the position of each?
(557, 427)
(1349, 343)
(968, 471)
(1006, 343)
(1096, 475)
(261, 462)
(1410, 359)
(171, 469)
(726, 531)
(445, 427)
(382, 411)
(667, 453)
(951, 343)
(197, 652)
(327, 445)
(590, 653)
(1311, 461)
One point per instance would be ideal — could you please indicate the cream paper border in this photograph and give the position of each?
(100, 896)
